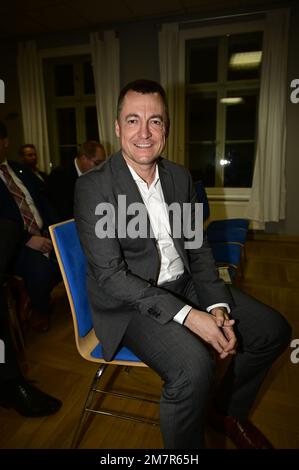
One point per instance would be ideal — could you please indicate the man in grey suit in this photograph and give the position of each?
(162, 297)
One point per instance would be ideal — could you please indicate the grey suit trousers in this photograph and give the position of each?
(187, 365)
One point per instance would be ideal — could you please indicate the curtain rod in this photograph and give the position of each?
(222, 17)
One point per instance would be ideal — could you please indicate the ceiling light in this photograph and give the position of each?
(245, 60)
(232, 100)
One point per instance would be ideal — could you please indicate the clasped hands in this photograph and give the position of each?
(38, 243)
(215, 328)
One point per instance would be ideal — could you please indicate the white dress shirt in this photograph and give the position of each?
(172, 266)
(79, 172)
(26, 193)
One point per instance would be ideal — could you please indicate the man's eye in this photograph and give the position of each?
(132, 121)
(157, 122)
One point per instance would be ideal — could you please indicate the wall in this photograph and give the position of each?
(139, 53)
(10, 111)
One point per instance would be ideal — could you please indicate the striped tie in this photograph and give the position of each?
(29, 221)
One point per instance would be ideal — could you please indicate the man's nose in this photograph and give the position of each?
(144, 130)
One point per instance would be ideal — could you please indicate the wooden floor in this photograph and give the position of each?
(271, 274)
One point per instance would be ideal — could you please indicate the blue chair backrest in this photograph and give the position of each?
(226, 233)
(227, 253)
(230, 223)
(74, 262)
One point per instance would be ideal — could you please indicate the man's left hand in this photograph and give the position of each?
(226, 323)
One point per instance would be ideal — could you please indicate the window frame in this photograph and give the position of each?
(197, 32)
(64, 54)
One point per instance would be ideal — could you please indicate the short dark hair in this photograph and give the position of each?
(25, 146)
(144, 86)
(89, 148)
(3, 131)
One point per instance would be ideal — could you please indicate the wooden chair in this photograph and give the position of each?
(72, 264)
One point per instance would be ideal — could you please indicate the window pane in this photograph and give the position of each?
(202, 163)
(88, 79)
(245, 65)
(202, 60)
(241, 118)
(64, 80)
(66, 124)
(67, 154)
(238, 173)
(201, 118)
(91, 123)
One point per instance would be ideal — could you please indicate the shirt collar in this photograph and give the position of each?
(138, 179)
(77, 168)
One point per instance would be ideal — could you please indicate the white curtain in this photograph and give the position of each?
(105, 60)
(169, 77)
(268, 195)
(33, 101)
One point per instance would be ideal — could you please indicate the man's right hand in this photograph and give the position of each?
(40, 244)
(204, 325)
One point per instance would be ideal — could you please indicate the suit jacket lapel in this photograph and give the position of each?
(124, 183)
(175, 219)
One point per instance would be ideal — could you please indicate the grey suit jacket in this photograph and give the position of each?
(122, 272)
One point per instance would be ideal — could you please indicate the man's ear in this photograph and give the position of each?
(117, 129)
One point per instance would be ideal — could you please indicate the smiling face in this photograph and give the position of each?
(141, 128)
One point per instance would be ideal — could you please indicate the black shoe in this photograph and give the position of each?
(28, 400)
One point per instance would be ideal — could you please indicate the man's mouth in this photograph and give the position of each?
(143, 146)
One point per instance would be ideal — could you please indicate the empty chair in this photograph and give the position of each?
(72, 264)
(227, 237)
(227, 255)
(227, 234)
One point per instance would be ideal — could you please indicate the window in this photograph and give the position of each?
(222, 75)
(71, 107)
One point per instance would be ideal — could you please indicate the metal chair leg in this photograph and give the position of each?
(85, 412)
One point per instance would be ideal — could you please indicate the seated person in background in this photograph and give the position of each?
(60, 184)
(28, 156)
(22, 200)
(162, 298)
(15, 390)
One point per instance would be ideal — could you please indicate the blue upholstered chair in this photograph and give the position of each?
(72, 264)
(227, 237)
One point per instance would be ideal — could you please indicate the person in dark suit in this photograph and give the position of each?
(15, 390)
(162, 297)
(22, 200)
(28, 156)
(60, 184)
